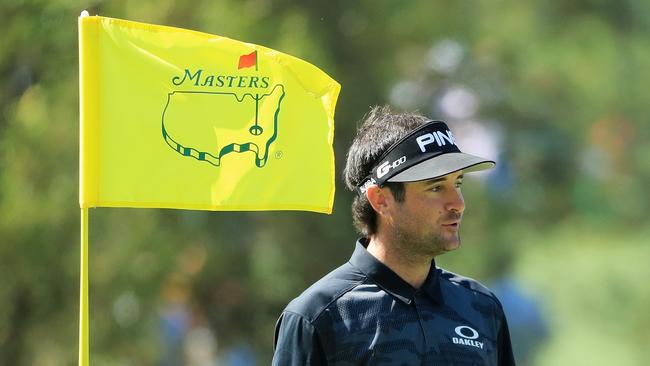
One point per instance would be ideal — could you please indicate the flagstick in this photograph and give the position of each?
(84, 353)
(83, 293)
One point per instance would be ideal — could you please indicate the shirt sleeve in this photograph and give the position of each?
(506, 357)
(296, 342)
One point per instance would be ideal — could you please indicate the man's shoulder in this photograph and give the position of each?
(467, 284)
(317, 297)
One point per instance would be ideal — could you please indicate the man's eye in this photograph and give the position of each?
(435, 189)
(459, 184)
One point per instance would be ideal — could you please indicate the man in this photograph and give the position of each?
(390, 304)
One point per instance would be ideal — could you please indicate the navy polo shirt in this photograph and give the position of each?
(362, 313)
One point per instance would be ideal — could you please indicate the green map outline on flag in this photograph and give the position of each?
(209, 150)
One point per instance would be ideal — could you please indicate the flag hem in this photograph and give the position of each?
(203, 207)
(88, 110)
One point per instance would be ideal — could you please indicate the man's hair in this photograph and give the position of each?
(380, 128)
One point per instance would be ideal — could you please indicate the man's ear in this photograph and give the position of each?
(380, 199)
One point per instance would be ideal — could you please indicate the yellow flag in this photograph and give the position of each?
(173, 118)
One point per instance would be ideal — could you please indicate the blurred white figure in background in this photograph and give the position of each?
(200, 347)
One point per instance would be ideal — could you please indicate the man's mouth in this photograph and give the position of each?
(451, 221)
(451, 225)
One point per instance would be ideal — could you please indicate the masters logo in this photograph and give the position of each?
(215, 115)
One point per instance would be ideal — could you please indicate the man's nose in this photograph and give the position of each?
(455, 201)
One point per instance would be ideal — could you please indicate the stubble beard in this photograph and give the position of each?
(418, 248)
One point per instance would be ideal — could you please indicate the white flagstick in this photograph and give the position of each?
(83, 283)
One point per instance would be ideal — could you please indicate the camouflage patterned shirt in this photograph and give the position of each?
(363, 313)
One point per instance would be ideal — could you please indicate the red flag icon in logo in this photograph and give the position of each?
(248, 60)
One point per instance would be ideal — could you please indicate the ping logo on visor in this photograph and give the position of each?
(436, 136)
(430, 140)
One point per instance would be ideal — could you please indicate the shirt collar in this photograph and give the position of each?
(389, 280)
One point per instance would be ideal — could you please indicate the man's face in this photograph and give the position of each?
(427, 221)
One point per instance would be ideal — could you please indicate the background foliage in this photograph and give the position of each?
(556, 88)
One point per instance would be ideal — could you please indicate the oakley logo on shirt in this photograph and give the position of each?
(468, 337)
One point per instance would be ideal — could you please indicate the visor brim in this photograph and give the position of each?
(441, 165)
